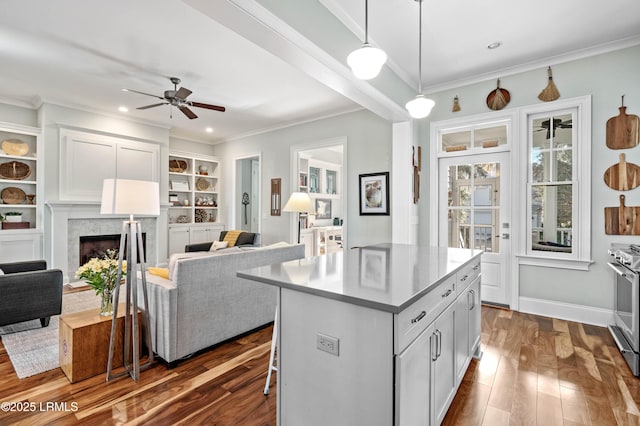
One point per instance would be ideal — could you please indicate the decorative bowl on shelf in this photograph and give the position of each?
(178, 166)
(202, 184)
(15, 147)
(14, 170)
(13, 195)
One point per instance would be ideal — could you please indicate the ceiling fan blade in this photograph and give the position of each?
(142, 93)
(186, 111)
(154, 105)
(207, 106)
(182, 93)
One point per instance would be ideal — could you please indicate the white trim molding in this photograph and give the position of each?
(567, 311)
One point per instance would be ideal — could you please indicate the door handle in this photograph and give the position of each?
(433, 346)
(439, 352)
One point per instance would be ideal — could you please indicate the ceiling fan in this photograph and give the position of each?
(177, 98)
(557, 124)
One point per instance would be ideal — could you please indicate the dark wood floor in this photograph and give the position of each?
(535, 371)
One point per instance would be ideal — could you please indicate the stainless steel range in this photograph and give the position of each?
(625, 261)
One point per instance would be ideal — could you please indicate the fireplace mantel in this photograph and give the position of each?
(66, 221)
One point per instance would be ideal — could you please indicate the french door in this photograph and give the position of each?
(473, 213)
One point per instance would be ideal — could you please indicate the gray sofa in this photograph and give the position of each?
(245, 239)
(28, 291)
(205, 303)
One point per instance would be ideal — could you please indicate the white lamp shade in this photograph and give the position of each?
(299, 202)
(420, 107)
(367, 61)
(125, 196)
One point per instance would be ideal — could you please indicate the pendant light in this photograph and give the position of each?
(419, 107)
(367, 61)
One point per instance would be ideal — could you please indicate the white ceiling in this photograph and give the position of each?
(81, 53)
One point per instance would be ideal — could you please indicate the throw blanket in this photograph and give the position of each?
(232, 237)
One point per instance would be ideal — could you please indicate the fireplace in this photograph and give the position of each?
(97, 245)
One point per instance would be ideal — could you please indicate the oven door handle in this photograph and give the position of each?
(619, 271)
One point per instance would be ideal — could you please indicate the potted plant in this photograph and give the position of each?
(13, 217)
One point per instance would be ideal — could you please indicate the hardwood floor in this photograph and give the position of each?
(534, 371)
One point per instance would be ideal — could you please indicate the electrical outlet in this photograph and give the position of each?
(328, 344)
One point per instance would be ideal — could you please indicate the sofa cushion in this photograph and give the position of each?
(160, 272)
(243, 239)
(232, 237)
(1, 272)
(217, 245)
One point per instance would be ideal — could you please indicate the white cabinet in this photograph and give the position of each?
(328, 239)
(86, 159)
(462, 335)
(475, 317)
(413, 378)
(443, 367)
(181, 235)
(307, 237)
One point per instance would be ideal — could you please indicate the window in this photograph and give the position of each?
(558, 203)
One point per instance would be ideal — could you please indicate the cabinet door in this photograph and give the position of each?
(200, 234)
(443, 367)
(178, 238)
(306, 238)
(137, 162)
(475, 318)
(413, 380)
(461, 318)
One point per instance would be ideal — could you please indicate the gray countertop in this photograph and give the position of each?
(387, 277)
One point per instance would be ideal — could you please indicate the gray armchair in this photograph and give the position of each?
(28, 290)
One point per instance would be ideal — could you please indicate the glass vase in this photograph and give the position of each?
(106, 303)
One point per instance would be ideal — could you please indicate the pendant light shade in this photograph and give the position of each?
(367, 61)
(420, 107)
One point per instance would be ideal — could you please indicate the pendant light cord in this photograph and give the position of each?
(366, 21)
(420, 47)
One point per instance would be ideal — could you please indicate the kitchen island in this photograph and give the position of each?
(378, 335)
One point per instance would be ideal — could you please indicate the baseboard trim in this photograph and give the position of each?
(567, 311)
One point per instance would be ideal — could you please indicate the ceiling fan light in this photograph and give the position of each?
(420, 107)
(367, 61)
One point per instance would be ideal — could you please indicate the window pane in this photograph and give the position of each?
(485, 221)
(551, 218)
(464, 172)
(490, 137)
(539, 166)
(483, 195)
(562, 138)
(563, 165)
(541, 135)
(457, 140)
(459, 228)
(486, 170)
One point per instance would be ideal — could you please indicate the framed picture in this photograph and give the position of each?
(374, 194)
(178, 185)
(323, 208)
(374, 264)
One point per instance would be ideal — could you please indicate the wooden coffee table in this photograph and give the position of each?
(84, 343)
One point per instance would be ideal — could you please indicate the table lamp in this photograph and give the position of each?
(130, 197)
(299, 202)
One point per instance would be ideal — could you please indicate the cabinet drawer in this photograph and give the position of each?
(467, 274)
(409, 323)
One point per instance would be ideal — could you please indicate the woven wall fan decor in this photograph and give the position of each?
(14, 170)
(13, 195)
(203, 184)
(498, 98)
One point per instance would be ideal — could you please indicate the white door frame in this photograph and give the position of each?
(343, 181)
(238, 198)
(512, 147)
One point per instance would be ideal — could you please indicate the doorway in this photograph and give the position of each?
(247, 194)
(474, 214)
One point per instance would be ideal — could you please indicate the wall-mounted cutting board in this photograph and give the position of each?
(622, 220)
(622, 176)
(622, 130)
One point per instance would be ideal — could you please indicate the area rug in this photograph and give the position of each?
(34, 349)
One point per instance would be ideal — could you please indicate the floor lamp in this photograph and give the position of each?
(299, 202)
(129, 197)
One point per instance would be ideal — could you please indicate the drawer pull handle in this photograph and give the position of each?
(464, 278)
(475, 268)
(446, 294)
(419, 317)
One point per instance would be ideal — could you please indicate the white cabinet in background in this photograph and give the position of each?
(308, 239)
(181, 235)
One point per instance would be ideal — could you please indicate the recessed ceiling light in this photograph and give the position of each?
(209, 129)
(123, 109)
(494, 45)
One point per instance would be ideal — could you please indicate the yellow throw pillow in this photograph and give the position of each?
(232, 237)
(160, 272)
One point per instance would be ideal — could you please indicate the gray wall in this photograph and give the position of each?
(605, 77)
(368, 151)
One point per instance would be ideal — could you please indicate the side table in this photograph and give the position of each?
(84, 343)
